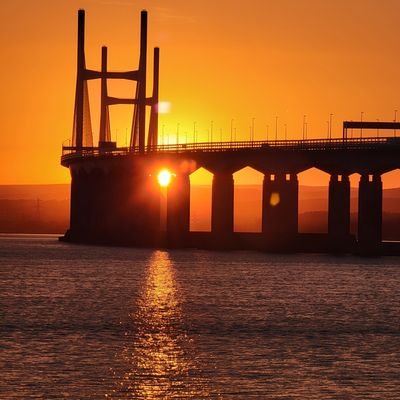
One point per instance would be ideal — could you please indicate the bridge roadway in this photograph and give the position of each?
(115, 197)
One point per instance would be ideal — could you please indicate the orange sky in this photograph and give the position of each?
(220, 60)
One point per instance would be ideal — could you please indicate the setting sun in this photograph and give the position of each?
(164, 178)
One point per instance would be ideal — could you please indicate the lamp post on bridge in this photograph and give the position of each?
(395, 120)
(361, 130)
(232, 129)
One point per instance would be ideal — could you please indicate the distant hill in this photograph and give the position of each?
(45, 209)
(30, 192)
(34, 208)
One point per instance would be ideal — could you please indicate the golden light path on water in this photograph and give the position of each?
(158, 353)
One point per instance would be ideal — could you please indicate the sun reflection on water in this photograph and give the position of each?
(159, 365)
(159, 355)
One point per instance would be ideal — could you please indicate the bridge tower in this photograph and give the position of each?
(82, 129)
(109, 202)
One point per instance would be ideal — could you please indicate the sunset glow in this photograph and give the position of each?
(164, 178)
(200, 199)
(287, 57)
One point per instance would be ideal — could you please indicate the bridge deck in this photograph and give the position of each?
(370, 143)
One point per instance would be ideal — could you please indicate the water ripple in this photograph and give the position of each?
(81, 322)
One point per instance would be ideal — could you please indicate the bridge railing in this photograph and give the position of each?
(263, 145)
(309, 144)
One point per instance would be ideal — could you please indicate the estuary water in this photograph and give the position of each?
(80, 322)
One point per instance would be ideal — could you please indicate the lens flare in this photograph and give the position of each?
(275, 199)
(164, 107)
(164, 178)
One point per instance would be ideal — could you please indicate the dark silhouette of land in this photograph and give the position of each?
(34, 208)
(45, 209)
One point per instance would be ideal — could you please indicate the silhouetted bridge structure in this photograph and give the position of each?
(116, 198)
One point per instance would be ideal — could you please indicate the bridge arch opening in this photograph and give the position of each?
(391, 205)
(200, 200)
(313, 201)
(247, 200)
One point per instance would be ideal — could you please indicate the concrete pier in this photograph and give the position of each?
(222, 208)
(370, 214)
(280, 209)
(79, 206)
(339, 210)
(178, 211)
(144, 209)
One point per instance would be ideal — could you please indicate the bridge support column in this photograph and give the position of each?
(222, 209)
(370, 214)
(339, 212)
(178, 211)
(148, 210)
(92, 206)
(132, 210)
(280, 209)
(121, 208)
(98, 204)
(79, 210)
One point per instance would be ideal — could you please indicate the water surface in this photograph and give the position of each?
(81, 322)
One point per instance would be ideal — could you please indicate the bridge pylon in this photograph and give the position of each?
(82, 129)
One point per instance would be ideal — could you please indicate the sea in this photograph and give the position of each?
(87, 322)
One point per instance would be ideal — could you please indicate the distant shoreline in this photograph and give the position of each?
(44, 209)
